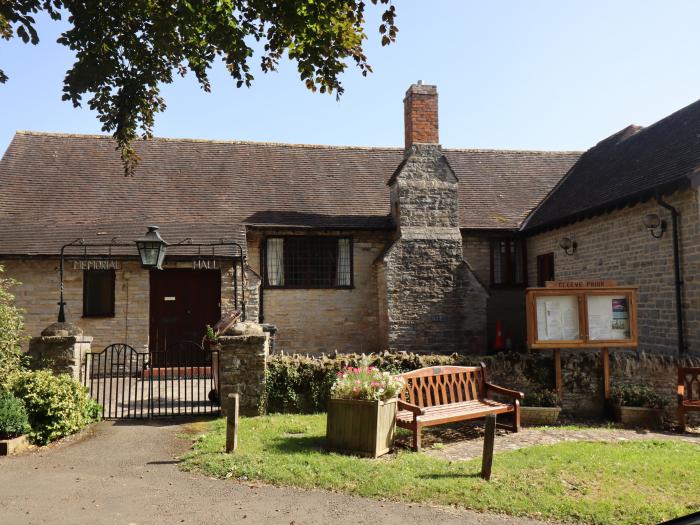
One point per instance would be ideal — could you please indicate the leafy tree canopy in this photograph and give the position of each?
(125, 49)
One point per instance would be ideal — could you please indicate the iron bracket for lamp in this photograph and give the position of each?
(238, 258)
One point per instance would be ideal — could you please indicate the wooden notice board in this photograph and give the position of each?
(570, 316)
(582, 314)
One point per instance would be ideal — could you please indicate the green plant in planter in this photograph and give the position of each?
(542, 398)
(211, 335)
(13, 416)
(637, 396)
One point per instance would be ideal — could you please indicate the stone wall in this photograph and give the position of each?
(435, 303)
(618, 247)
(38, 295)
(582, 376)
(323, 320)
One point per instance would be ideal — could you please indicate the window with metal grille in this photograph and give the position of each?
(508, 262)
(308, 262)
(98, 293)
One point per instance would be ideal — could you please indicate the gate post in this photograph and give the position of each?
(61, 348)
(243, 352)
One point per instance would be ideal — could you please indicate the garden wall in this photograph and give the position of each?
(302, 384)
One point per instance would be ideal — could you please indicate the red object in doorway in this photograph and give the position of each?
(499, 343)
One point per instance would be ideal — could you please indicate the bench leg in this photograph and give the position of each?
(416, 438)
(516, 416)
(681, 419)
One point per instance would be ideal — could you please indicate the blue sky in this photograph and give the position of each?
(536, 74)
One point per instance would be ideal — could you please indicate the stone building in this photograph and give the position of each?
(351, 249)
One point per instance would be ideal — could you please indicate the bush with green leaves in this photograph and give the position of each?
(56, 405)
(298, 384)
(11, 327)
(637, 396)
(542, 398)
(13, 416)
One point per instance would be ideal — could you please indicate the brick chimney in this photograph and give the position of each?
(420, 110)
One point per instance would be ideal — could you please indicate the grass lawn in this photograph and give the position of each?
(626, 483)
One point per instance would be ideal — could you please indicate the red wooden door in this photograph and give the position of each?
(182, 303)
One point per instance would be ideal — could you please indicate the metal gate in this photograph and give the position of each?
(128, 385)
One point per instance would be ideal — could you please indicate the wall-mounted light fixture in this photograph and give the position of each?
(568, 245)
(152, 249)
(655, 225)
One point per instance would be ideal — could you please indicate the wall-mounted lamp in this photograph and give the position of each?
(655, 225)
(568, 245)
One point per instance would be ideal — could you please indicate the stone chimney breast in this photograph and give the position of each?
(421, 115)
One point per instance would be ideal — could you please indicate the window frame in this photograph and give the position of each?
(494, 244)
(286, 286)
(111, 311)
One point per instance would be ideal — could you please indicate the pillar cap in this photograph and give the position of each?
(61, 330)
(244, 328)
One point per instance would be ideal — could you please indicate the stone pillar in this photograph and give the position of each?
(243, 352)
(61, 348)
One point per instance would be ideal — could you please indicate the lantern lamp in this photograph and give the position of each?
(152, 249)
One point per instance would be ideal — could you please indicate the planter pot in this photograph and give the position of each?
(640, 416)
(358, 427)
(13, 445)
(530, 416)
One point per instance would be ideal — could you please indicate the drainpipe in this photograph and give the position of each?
(677, 272)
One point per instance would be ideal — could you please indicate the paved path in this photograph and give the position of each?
(461, 442)
(127, 473)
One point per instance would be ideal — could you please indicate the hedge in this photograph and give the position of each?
(302, 384)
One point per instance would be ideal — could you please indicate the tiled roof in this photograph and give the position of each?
(625, 168)
(58, 187)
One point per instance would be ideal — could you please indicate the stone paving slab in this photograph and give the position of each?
(465, 441)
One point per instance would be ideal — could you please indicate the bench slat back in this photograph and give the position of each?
(689, 377)
(442, 385)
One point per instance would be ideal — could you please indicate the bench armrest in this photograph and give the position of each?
(681, 394)
(504, 391)
(416, 410)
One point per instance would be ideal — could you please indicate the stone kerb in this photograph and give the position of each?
(60, 348)
(242, 364)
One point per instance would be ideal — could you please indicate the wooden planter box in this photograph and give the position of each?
(640, 416)
(13, 445)
(358, 427)
(530, 416)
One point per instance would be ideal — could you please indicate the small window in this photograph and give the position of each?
(508, 263)
(98, 293)
(308, 262)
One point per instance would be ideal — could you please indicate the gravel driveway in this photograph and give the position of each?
(127, 473)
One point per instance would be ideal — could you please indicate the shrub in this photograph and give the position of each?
(10, 330)
(542, 398)
(637, 396)
(56, 405)
(366, 383)
(298, 384)
(13, 416)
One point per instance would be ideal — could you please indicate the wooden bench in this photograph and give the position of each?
(688, 393)
(445, 394)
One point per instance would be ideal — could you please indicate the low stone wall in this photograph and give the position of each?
(582, 376)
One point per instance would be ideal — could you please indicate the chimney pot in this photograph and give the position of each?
(421, 115)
